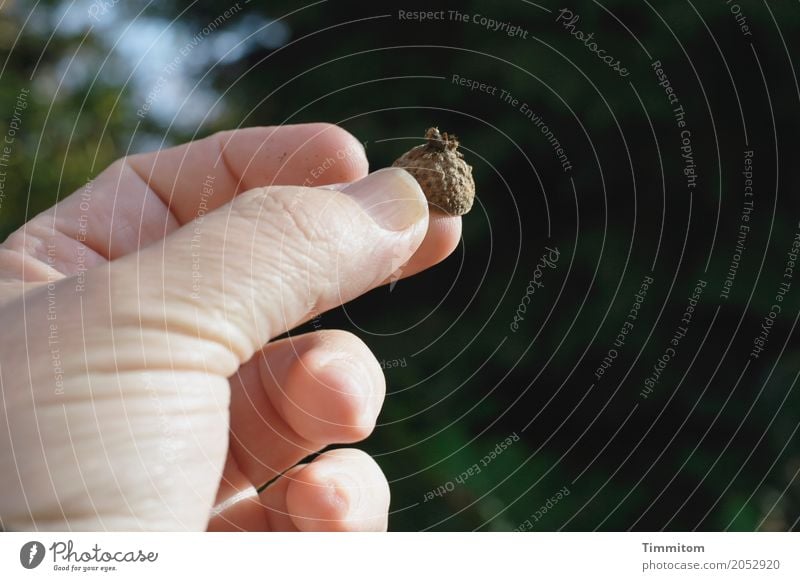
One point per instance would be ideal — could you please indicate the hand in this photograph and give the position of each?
(140, 389)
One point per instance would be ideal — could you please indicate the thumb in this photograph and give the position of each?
(274, 257)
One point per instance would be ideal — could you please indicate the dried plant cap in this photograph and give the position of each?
(440, 169)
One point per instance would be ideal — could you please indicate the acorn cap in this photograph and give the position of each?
(440, 169)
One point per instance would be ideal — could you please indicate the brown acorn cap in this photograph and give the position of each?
(440, 169)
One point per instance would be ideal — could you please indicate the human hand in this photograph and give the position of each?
(140, 389)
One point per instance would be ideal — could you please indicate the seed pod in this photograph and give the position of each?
(440, 169)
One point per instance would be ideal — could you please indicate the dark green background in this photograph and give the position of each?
(715, 446)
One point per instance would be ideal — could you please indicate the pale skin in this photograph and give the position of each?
(141, 387)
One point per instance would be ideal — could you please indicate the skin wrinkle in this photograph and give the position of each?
(223, 157)
(32, 240)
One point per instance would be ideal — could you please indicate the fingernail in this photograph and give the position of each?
(391, 196)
